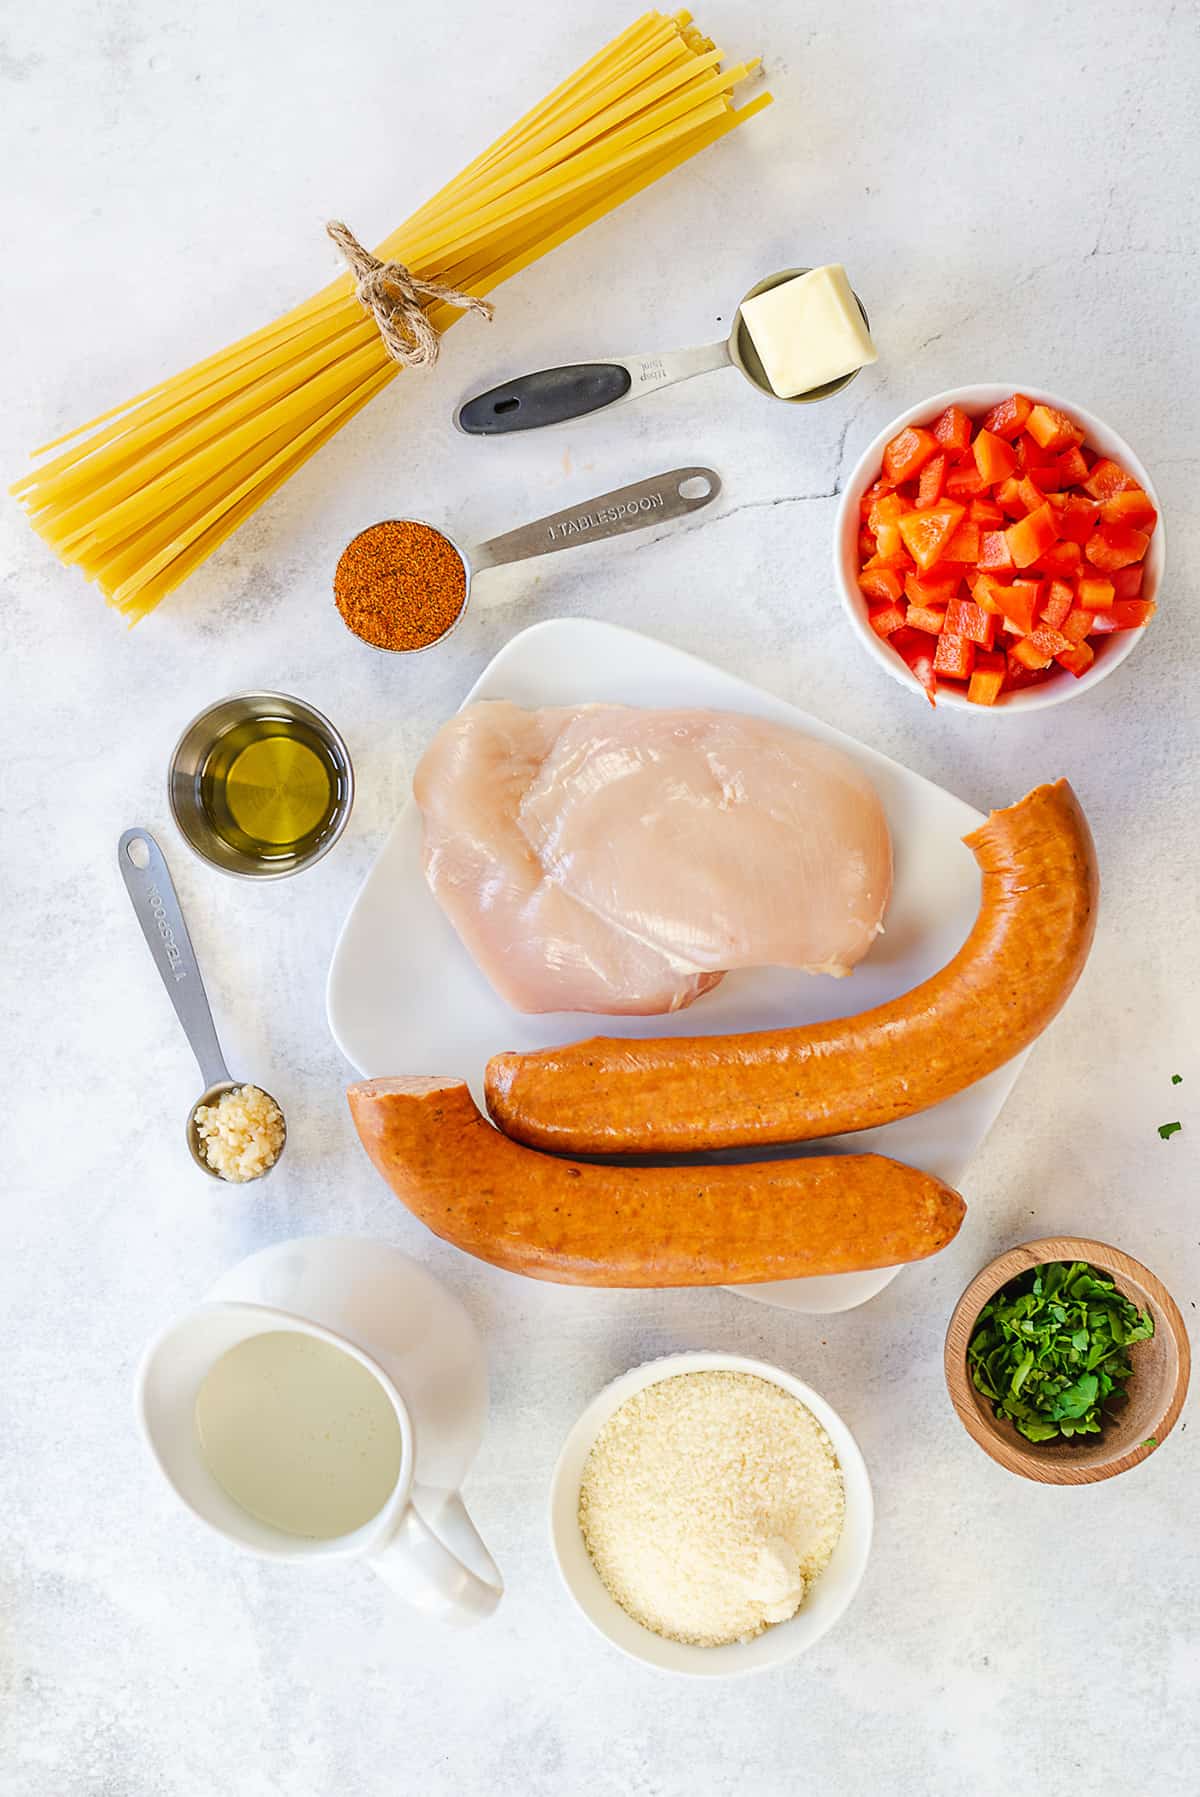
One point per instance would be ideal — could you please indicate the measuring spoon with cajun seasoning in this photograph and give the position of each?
(403, 586)
(235, 1132)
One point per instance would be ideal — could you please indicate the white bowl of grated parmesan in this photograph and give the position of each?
(711, 1515)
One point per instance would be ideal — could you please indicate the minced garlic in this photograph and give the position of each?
(241, 1135)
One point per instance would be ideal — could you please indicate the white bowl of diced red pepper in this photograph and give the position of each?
(999, 550)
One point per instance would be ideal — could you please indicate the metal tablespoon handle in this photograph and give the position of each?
(555, 395)
(657, 500)
(156, 903)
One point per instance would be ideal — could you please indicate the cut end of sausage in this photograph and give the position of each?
(411, 1085)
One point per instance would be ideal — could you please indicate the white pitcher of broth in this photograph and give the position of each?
(325, 1402)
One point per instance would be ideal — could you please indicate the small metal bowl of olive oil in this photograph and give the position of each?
(260, 785)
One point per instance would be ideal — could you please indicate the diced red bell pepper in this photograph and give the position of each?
(1077, 659)
(1027, 655)
(1113, 546)
(991, 594)
(1125, 614)
(897, 558)
(1094, 594)
(908, 452)
(1039, 648)
(1029, 538)
(1008, 498)
(931, 482)
(966, 618)
(886, 618)
(936, 589)
(884, 520)
(885, 508)
(987, 678)
(993, 457)
(1077, 519)
(881, 583)
(952, 518)
(965, 482)
(954, 656)
(1052, 429)
(964, 544)
(926, 535)
(1018, 675)
(1021, 602)
(1107, 478)
(1060, 597)
(1008, 418)
(952, 428)
(1073, 467)
(1046, 475)
(1127, 582)
(1035, 462)
(1131, 506)
(1077, 624)
(1063, 559)
(915, 649)
(929, 618)
(986, 513)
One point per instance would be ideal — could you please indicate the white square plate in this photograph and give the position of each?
(405, 997)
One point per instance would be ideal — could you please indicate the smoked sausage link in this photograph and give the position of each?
(581, 1224)
(1037, 915)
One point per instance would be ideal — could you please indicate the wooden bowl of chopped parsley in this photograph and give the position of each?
(1067, 1360)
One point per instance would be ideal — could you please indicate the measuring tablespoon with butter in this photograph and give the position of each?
(156, 903)
(788, 346)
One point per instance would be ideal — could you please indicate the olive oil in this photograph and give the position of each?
(271, 788)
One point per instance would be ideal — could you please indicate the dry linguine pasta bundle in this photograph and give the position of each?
(146, 492)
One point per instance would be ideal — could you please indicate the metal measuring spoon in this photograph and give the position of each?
(554, 395)
(658, 500)
(148, 882)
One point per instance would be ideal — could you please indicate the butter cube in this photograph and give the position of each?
(808, 330)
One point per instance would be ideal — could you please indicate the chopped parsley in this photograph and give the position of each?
(1167, 1130)
(1177, 1079)
(1051, 1349)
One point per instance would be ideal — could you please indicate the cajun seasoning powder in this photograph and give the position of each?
(400, 585)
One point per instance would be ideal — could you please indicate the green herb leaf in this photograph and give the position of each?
(1167, 1130)
(1176, 1080)
(1151, 1441)
(1077, 1399)
(1050, 1349)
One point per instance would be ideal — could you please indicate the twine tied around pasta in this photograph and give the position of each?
(394, 297)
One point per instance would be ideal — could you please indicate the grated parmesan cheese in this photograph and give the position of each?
(709, 1504)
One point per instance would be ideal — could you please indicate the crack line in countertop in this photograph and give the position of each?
(747, 505)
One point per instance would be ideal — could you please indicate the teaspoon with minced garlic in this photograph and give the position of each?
(235, 1131)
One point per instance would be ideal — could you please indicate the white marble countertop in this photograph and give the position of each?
(1015, 189)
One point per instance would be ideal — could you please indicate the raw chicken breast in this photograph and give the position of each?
(614, 859)
(540, 948)
(721, 838)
